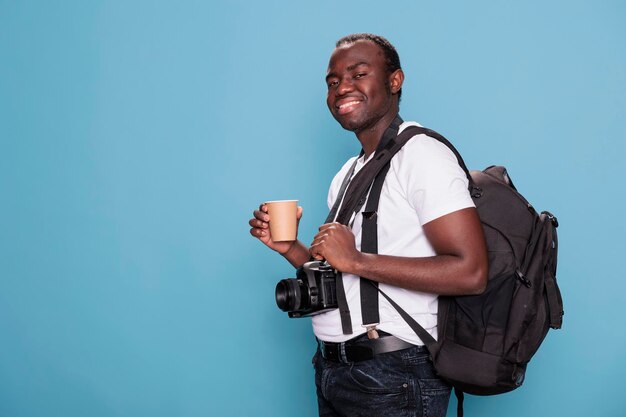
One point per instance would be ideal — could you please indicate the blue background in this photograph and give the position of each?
(138, 136)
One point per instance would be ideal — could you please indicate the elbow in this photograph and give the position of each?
(477, 279)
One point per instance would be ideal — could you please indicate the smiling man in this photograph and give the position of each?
(430, 243)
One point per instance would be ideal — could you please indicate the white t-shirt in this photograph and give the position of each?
(424, 182)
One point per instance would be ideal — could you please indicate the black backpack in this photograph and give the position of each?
(485, 341)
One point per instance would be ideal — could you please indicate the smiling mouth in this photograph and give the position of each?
(348, 107)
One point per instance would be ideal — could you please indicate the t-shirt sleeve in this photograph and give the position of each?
(435, 184)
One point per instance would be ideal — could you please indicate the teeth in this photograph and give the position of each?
(349, 104)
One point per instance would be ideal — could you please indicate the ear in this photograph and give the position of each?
(396, 79)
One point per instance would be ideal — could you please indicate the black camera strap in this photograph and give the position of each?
(353, 191)
(369, 244)
(356, 188)
(342, 301)
(352, 196)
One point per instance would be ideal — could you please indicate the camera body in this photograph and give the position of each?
(313, 291)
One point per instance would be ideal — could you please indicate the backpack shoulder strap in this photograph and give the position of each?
(431, 133)
(358, 188)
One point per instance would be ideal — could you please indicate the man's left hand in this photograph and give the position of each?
(335, 243)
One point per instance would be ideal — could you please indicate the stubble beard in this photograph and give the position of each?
(366, 121)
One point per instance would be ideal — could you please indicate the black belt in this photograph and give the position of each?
(361, 349)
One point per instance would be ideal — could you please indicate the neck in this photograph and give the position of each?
(370, 136)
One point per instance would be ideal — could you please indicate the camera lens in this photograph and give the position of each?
(288, 294)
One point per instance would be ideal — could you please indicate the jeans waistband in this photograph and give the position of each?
(361, 348)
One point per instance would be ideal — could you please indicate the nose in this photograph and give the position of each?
(345, 86)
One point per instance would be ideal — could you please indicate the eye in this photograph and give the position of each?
(332, 83)
(360, 75)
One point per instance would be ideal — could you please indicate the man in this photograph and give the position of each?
(430, 242)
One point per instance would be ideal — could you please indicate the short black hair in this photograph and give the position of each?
(392, 59)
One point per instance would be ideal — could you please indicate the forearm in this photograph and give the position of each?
(441, 274)
(458, 268)
(298, 254)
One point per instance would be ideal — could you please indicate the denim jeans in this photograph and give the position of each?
(394, 384)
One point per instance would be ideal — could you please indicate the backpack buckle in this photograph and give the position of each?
(523, 279)
(476, 192)
(552, 218)
(518, 376)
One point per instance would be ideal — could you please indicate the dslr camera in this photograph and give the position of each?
(313, 291)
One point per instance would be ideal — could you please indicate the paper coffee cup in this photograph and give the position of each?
(283, 219)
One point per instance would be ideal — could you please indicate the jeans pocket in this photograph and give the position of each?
(434, 394)
(374, 380)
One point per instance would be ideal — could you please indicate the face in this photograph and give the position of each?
(360, 91)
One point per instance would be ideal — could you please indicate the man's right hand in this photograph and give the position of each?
(260, 229)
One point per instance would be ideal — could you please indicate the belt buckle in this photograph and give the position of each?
(325, 352)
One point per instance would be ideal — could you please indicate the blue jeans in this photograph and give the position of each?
(394, 384)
